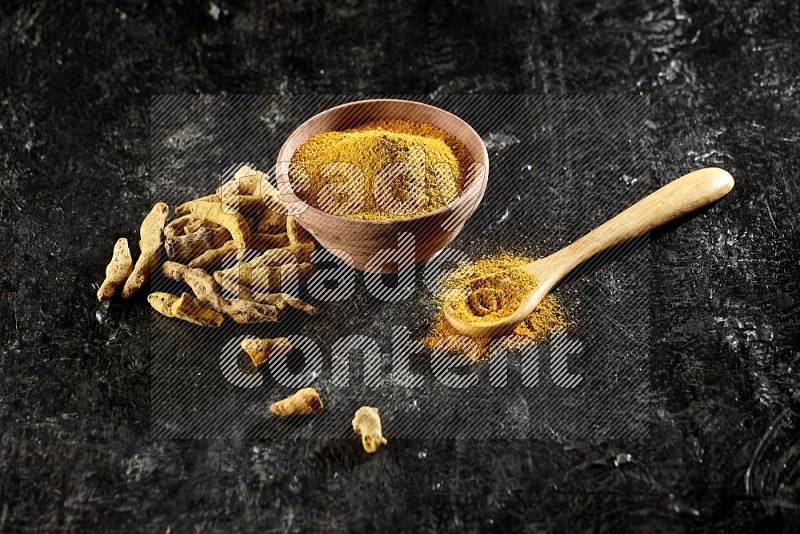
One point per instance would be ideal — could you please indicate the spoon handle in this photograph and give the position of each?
(679, 197)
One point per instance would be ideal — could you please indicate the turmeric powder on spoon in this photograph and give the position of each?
(487, 290)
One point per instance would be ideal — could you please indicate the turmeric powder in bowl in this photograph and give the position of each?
(387, 169)
(490, 289)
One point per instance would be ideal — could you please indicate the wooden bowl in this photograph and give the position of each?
(385, 246)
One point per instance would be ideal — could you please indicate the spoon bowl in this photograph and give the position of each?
(679, 197)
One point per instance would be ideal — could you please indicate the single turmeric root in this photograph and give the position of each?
(190, 309)
(117, 271)
(185, 307)
(249, 181)
(300, 253)
(296, 303)
(196, 224)
(186, 224)
(177, 227)
(208, 291)
(187, 247)
(367, 422)
(150, 247)
(304, 402)
(281, 300)
(264, 279)
(231, 220)
(246, 181)
(261, 350)
(250, 192)
(162, 302)
(215, 257)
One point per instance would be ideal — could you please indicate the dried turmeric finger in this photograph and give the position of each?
(232, 220)
(190, 309)
(186, 247)
(298, 304)
(229, 278)
(202, 283)
(281, 300)
(243, 184)
(117, 271)
(228, 189)
(177, 226)
(263, 279)
(186, 225)
(185, 307)
(249, 312)
(249, 181)
(207, 290)
(299, 253)
(261, 350)
(162, 302)
(150, 248)
(245, 181)
(196, 224)
(215, 256)
(297, 234)
(367, 422)
(184, 209)
(305, 401)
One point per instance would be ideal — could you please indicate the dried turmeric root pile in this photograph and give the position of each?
(206, 244)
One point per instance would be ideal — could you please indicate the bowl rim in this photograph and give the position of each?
(477, 184)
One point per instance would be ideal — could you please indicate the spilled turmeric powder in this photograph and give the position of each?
(487, 290)
(385, 169)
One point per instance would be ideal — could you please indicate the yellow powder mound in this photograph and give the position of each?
(491, 289)
(380, 170)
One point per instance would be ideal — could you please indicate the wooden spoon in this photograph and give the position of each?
(679, 197)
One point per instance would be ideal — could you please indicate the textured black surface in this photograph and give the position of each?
(74, 378)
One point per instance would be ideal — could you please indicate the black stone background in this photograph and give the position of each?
(74, 385)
